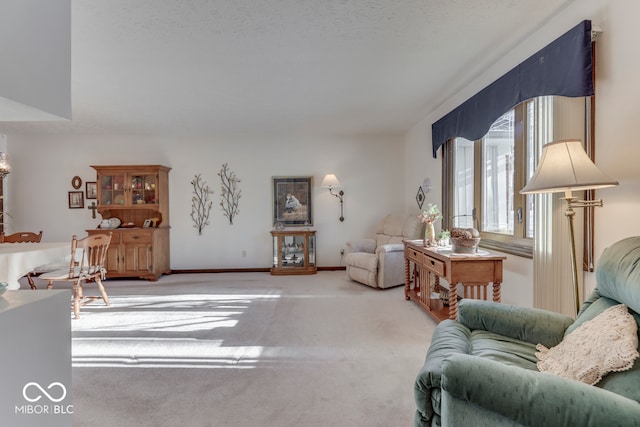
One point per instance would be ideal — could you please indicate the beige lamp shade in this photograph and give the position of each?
(330, 181)
(564, 167)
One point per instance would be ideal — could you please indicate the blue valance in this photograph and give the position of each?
(564, 68)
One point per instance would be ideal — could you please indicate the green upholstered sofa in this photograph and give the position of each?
(481, 370)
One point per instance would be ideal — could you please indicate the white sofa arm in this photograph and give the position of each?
(390, 247)
(390, 265)
(362, 245)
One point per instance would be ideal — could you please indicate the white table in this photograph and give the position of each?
(18, 259)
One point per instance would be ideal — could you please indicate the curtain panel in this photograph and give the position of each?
(564, 67)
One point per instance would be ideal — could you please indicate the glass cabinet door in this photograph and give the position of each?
(312, 250)
(276, 252)
(112, 190)
(294, 252)
(143, 189)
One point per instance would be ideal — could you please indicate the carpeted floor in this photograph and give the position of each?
(248, 349)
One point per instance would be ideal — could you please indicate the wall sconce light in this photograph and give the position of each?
(4, 165)
(330, 181)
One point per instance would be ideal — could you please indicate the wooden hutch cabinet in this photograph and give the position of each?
(138, 195)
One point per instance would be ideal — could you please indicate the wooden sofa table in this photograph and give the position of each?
(473, 271)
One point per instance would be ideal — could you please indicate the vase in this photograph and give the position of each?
(429, 235)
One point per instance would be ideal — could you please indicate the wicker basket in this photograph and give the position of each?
(465, 246)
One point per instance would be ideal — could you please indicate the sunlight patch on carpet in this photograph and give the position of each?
(159, 353)
(173, 331)
(165, 312)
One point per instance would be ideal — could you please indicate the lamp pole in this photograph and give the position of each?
(574, 202)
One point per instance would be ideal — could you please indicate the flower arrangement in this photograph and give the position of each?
(444, 235)
(431, 214)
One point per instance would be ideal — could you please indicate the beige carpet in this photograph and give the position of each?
(248, 349)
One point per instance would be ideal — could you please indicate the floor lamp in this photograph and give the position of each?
(566, 167)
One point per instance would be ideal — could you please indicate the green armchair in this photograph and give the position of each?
(481, 369)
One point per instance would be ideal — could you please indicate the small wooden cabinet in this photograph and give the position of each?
(137, 195)
(294, 252)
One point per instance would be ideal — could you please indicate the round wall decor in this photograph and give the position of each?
(76, 182)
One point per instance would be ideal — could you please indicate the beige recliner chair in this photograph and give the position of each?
(379, 262)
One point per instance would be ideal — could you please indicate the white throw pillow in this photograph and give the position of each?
(606, 343)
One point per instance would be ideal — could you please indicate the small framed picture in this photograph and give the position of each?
(76, 199)
(147, 223)
(91, 190)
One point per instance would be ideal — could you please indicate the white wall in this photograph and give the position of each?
(420, 165)
(369, 169)
(617, 113)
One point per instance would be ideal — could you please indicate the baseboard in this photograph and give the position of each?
(220, 270)
(243, 270)
(334, 268)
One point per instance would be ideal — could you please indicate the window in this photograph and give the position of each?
(497, 174)
(482, 178)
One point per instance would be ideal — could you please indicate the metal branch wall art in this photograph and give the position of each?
(230, 194)
(200, 203)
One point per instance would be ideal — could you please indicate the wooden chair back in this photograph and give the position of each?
(88, 256)
(21, 237)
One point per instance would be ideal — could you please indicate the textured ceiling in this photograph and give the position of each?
(204, 67)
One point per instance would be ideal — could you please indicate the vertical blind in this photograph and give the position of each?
(564, 67)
